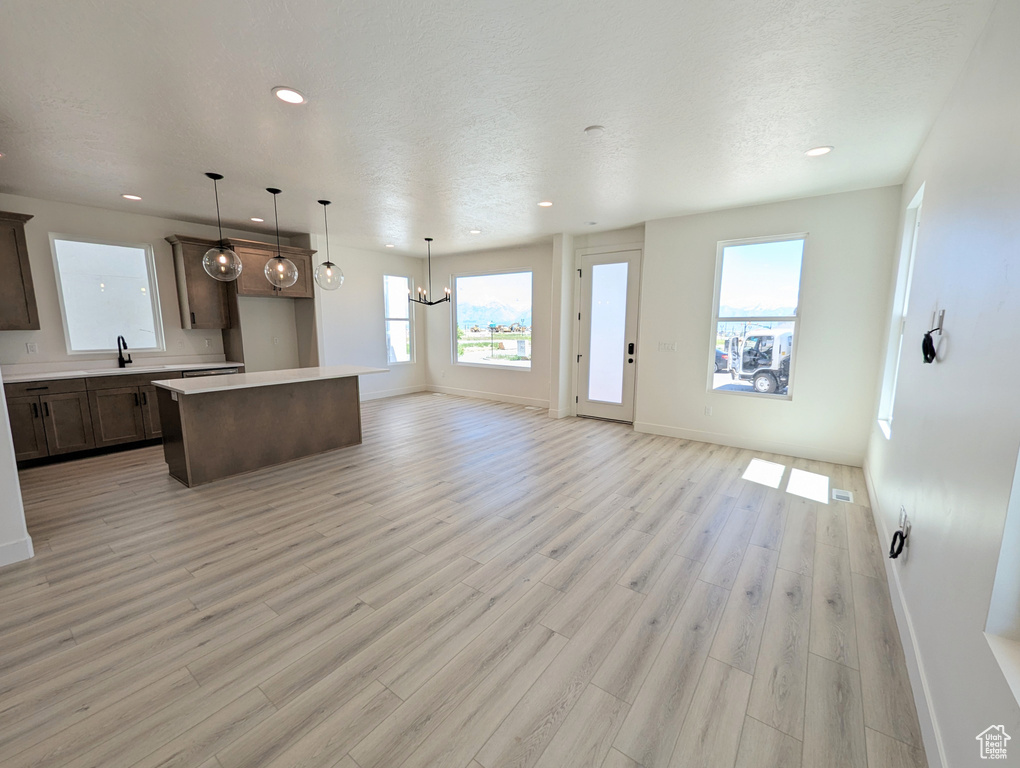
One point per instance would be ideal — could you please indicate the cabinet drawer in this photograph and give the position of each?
(52, 387)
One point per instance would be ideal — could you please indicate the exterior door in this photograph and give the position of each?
(607, 344)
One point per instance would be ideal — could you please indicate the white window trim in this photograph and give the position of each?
(150, 266)
(453, 319)
(409, 318)
(795, 319)
(898, 315)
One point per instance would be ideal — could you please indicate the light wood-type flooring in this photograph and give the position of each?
(476, 586)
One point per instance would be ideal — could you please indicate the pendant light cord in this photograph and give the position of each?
(219, 222)
(276, 215)
(325, 220)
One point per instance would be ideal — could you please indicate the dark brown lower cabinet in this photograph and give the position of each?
(116, 416)
(150, 412)
(68, 422)
(27, 428)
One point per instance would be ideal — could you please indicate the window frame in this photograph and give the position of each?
(721, 246)
(150, 266)
(898, 313)
(453, 318)
(409, 319)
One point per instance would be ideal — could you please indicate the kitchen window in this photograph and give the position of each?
(107, 290)
(754, 327)
(396, 291)
(492, 319)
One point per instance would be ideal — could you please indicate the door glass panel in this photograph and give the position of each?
(608, 332)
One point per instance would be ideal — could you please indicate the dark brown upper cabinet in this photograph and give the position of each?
(203, 299)
(18, 310)
(254, 256)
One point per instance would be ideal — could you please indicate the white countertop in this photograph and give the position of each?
(204, 384)
(82, 374)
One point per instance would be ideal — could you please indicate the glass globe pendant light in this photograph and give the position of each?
(328, 275)
(280, 271)
(220, 262)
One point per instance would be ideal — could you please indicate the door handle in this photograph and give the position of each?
(630, 348)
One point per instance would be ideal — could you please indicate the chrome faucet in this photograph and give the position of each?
(121, 347)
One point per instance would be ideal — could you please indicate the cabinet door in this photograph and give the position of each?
(252, 281)
(116, 415)
(150, 412)
(27, 428)
(302, 289)
(207, 298)
(17, 294)
(68, 422)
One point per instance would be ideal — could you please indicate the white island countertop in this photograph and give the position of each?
(204, 384)
(13, 378)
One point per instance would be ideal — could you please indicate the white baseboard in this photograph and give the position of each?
(379, 395)
(497, 396)
(560, 414)
(813, 453)
(16, 551)
(931, 734)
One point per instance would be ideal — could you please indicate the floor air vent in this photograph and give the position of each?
(840, 495)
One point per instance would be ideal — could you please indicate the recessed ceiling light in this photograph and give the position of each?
(818, 151)
(545, 204)
(131, 197)
(594, 131)
(289, 95)
(257, 220)
(476, 231)
(390, 245)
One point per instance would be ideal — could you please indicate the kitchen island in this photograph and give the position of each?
(220, 426)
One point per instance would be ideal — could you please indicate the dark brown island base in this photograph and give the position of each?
(220, 426)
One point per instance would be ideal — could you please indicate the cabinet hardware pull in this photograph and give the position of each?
(145, 398)
(192, 318)
(136, 400)
(35, 410)
(46, 407)
(35, 389)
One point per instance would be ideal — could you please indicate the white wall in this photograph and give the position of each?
(269, 333)
(84, 221)
(844, 284)
(15, 543)
(956, 428)
(351, 326)
(527, 387)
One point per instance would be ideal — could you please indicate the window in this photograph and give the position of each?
(396, 292)
(493, 319)
(901, 301)
(755, 323)
(107, 290)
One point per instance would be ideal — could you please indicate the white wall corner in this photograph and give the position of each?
(561, 324)
(931, 734)
(16, 551)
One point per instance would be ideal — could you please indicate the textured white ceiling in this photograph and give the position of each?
(433, 117)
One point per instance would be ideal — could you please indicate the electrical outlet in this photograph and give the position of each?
(207, 344)
(32, 348)
(708, 410)
(276, 339)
